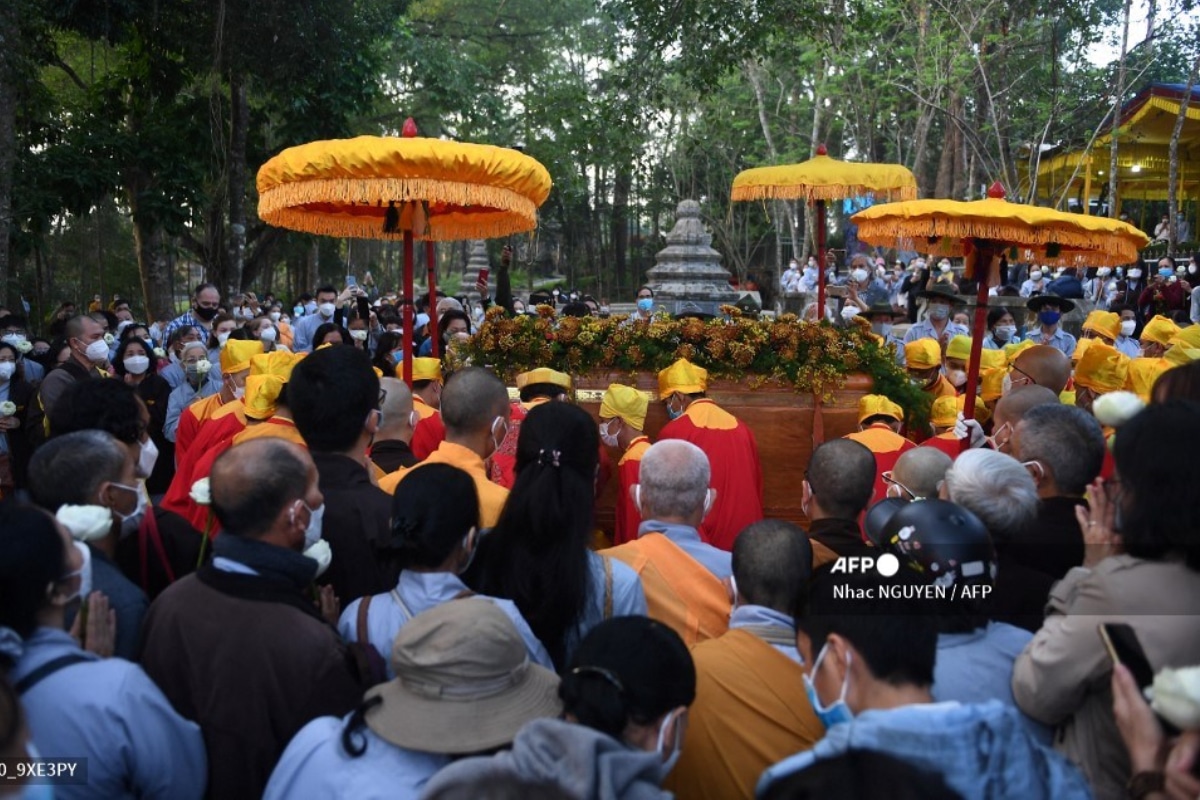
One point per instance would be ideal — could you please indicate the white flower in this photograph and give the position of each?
(850, 312)
(1175, 695)
(200, 492)
(24, 346)
(1116, 408)
(108, 339)
(8, 408)
(158, 351)
(85, 523)
(321, 554)
(203, 366)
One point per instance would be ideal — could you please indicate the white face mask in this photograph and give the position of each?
(312, 531)
(1104, 272)
(137, 365)
(944, 267)
(267, 335)
(859, 275)
(957, 378)
(1036, 275)
(7, 368)
(138, 509)
(1135, 273)
(97, 352)
(147, 458)
(326, 310)
(497, 436)
(609, 439)
(670, 761)
(358, 335)
(222, 338)
(275, 315)
(1127, 327)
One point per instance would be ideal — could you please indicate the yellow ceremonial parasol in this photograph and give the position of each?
(982, 230)
(819, 179)
(379, 187)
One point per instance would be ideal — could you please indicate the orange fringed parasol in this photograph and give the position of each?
(819, 179)
(982, 230)
(379, 187)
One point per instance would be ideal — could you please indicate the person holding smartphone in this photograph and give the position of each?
(1141, 568)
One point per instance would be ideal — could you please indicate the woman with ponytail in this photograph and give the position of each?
(434, 538)
(625, 700)
(538, 555)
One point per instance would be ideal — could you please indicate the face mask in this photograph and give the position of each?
(944, 268)
(1049, 318)
(645, 304)
(520, 309)
(676, 748)
(1104, 272)
(15, 339)
(672, 412)
(859, 275)
(206, 314)
(1005, 332)
(267, 335)
(147, 459)
(939, 311)
(471, 551)
(881, 328)
(97, 352)
(358, 335)
(837, 712)
(239, 392)
(312, 531)
(299, 311)
(610, 439)
(1192, 269)
(497, 438)
(222, 338)
(140, 506)
(7, 368)
(1035, 276)
(137, 365)
(1165, 272)
(1127, 327)
(957, 378)
(1135, 273)
(326, 310)
(413, 418)
(275, 315)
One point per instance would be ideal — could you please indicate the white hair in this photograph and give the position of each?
(996, 487)
(674, 477)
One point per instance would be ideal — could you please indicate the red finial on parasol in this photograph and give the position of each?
(409, 130)
(996, 191)
(822, 150)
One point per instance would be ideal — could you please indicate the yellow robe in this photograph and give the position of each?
(491, 496)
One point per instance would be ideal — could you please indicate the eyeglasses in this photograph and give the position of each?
(890, 481)
(1011, 367)
(382, 399)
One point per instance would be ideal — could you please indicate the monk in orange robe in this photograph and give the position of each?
(879, 421)
(728, 443)
(923, 360)
(622, 420)
(943, 416)
(751, 709)
(427, 393)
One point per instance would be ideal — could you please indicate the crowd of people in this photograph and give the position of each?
(241, 557)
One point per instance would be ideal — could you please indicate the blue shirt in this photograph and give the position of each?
(714, 559)
(978, 666)
(1059, 340)
(421, 591)
(125, 598)
(110, 712)
(186, 318)
(183, 396)
(4, 436)
(981, 751)
(628, 599)
(314, 766)
(925, 330)
(303, 331)
(760, 616)
(1127, 345)
(990, 343)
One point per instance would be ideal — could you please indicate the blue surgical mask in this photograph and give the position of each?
(836, 712)
(1049, 318)
(672, 412)
(645, 304)
(1003, 333)
(939, 311)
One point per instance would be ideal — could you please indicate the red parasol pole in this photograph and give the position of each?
(984, 254)
(820, 258)
(408, 305)
(431, 278)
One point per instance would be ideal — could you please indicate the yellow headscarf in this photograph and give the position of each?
(236, 355)
(922, 354)
(1102, 369)
(683, 376)
(874, 405)
(625, 402)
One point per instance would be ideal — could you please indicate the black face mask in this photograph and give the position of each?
(206, 314)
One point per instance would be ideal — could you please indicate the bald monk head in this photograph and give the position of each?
(475, 410)
(1012, 407)
(920, 470)
(265, 489)
(1044, 366)
(397, 411)
(673, 483)
(841, 479)
(772, 563)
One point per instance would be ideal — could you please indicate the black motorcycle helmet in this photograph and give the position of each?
(878, 517)
(944, 542)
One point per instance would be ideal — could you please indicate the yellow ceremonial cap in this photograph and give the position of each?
(1143, 372)
(1189, 337)
(1011, 351)
(544, 375)
(1105, 323)
(992, 359)
(1102, 369)
(262, 395)
(922, 354)
(683, 376)
(991, 383)
(946, 409)
(625, 402)
(236, 354)
(277, 362)
(424, 369)
(959, 347)
(1081, 347)
(875, 405)
(1160, 330)
(1178, 355)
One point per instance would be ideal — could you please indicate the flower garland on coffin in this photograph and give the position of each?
(810, 357)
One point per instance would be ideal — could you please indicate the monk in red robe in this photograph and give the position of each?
(536, 386)
(622, 421)
(879, 421)
(427, 393)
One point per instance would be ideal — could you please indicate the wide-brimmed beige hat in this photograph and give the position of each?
(464, 682)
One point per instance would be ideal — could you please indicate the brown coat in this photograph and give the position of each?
(1063, 677)
(251, 662)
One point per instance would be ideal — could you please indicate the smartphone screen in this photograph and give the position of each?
(483, 276)
(1121, 642)
(351, 281)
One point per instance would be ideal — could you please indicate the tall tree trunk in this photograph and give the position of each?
(1118, 96)
(239, 119)
(620, 223)
(151, 244)
(1173, 167)
(10, 53)
(755, 76)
